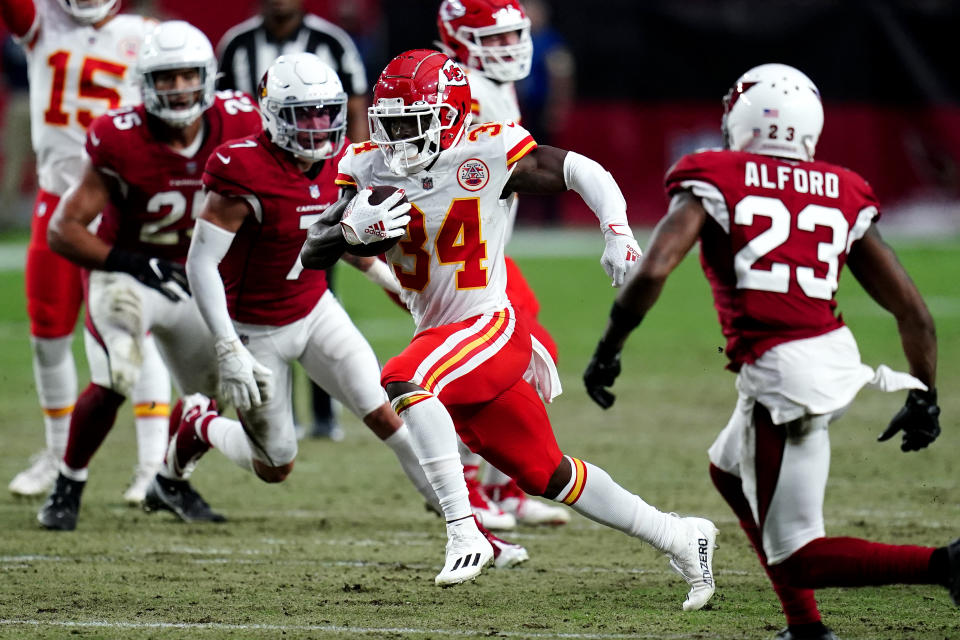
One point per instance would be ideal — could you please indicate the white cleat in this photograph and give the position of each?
(37, 479)
(505, 554)
(137, 491)
(694, 562)
(468, 552)
(526, 510)
(487, 511)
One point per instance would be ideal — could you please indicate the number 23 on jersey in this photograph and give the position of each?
(777, 278)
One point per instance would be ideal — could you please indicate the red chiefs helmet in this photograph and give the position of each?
(421, 106)
(465, 25)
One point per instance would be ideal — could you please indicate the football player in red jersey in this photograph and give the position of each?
(471, 369)
(144, 172)
(775, 229)
(79, 56)
(491, 40)
(264, 309)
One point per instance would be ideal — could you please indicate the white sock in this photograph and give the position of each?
(402, 446)
(593, 493)
(55, 376)
(151, 408)
(227, 435)
(79, 475)
(434, 440)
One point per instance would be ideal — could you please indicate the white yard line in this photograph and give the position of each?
(332, 628)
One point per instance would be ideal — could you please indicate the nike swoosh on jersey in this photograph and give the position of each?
(224, 159)
(94, 139)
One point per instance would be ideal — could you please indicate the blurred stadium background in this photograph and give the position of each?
(637, 83)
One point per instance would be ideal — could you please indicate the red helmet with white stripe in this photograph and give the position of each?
(421, 106)
(490, 36)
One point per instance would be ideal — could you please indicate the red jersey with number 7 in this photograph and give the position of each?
(775, 242)
(265, 282)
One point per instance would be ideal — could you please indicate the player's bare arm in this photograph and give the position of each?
(540, 171)
(876, 267)
(68, 234)
(551, 170)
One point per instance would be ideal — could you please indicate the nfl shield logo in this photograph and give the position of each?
(314, 191)
(427, 184)
(191, 167)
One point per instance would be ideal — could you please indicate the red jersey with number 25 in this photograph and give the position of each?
(777, 238)
(265, 282)
(155, 192)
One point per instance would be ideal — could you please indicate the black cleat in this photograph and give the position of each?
(821, 633)
(59, 512)
(953, 575)
(178, 497)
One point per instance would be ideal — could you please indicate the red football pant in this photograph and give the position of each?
(526, 304)
(54, 291)
(495, 411)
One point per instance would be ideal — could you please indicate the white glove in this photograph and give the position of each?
(243, 381)
(365, 223)
(621, 254)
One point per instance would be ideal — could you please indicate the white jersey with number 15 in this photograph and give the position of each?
(77, 72)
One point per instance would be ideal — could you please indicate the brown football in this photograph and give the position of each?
(380, 193)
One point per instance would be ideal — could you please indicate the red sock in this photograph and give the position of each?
(93, 417)
(852, 562)
(799, 605)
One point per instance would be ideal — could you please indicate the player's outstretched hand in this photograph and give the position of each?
(243, 381)
(169, 278)
(601, 373)
(919, 419)
(620, 255)
(365, 223)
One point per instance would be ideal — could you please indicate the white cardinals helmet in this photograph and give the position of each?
(774, 110)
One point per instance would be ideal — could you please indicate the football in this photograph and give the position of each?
(379, 193)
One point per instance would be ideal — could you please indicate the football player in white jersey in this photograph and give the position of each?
(79, 53)
(491, 40)
(466, 371)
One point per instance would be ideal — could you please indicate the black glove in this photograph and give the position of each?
(602, 371)
(169, 278)
(919, 418)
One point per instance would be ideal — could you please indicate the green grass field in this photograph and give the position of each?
(344, 548)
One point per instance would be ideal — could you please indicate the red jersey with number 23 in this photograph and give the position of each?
(265, 282)
(155, 192)
(777, 237)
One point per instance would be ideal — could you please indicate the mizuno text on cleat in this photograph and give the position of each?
(693, 560)
(468, 552)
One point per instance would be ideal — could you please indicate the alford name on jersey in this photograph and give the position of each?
(817, 183)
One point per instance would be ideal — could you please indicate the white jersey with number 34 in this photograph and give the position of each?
(77, 72)
(450, 263)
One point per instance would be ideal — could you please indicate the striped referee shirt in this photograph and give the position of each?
(246, 51)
